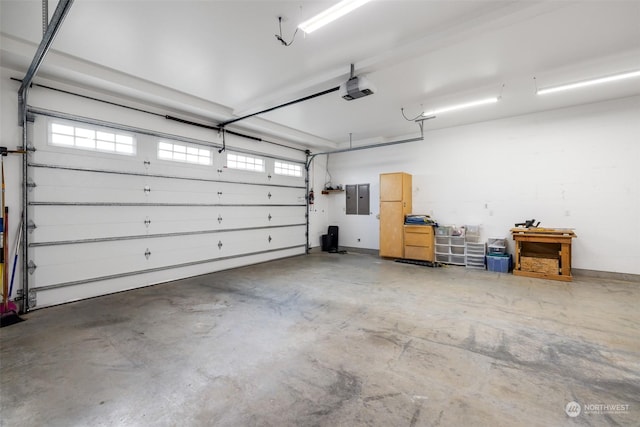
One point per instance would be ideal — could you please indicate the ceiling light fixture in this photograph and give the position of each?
(591, 82)
(330, 15)
(461, 106)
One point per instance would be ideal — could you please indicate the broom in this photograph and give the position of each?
(15, 261)
(8, 315)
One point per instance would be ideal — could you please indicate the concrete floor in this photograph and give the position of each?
(331, 340)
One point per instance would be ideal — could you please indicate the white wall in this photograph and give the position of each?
(319, 211)
(577, 167)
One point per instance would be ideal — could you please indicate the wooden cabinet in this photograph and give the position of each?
(395, 203)
(395, 187)
(418, 242)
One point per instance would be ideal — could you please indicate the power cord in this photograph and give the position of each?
(279, 36)
(407, 118)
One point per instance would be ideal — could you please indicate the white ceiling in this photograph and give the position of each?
(220, 59)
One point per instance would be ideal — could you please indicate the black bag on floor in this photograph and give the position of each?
(332, 239)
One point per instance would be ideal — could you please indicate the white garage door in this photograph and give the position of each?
(112, 209)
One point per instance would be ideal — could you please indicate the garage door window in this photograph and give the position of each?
(89, 138)
(288, 169)
(183, 153)
(244, 162)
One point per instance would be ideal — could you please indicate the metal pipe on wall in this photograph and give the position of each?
(366, 147)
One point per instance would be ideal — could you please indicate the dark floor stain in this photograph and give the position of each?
(105, 321)
(344, 388)
(405, 346)
(379, 397)
(470, 341)
(439, 420)
(627, 391)
(553, 355)
(610, 420)
(415, 417)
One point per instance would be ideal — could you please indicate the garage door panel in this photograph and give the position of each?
(56, 264)
(69, 186)
(59, 223)
(222, 218)
(185, 170)
(77, 262)
(84, 159)
(287, 180)
(270, 195)
(229, 174)
(55, 296)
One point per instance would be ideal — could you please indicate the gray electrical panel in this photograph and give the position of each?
(363, 199)
(357, 199)
(352, 199)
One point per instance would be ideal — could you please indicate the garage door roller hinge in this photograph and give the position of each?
(32, 300)
(31, 226)
(31, 267)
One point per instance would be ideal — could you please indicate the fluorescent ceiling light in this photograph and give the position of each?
(589, 82)
(331, 14)
(461, 106)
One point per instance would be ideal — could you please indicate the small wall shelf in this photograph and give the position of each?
(332, 191)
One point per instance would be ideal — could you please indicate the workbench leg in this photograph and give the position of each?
(565, 259)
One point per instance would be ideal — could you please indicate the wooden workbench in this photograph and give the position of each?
(544, 253)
